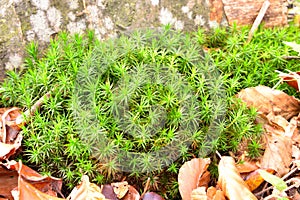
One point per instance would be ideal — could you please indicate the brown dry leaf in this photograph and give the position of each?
(132, 194)
(8, 181)
(86, 191)
(266, 100)
(120, 188)
(199, 194)
(10, 139)
(293, 79)
(231, 182)
(246, 167)
(278, 152)
(108, 192)
(152, 196)
(27, 191)
(254, 179)
(190, 174)
(46, 184)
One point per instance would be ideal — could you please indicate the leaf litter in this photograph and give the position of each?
(272, 176)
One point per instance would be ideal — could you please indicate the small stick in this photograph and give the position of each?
(28, 113)
(258, 19)
(290, 57)
(146, 187)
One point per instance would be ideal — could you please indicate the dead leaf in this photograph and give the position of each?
(152, 196)
(292, 79)
(231, 182)
(246, 167)
(86, 191)
(108, 192)
(132, 194)
(190, 174)
(120, 188)
(10, 137)
(267, 100)
(278, 153)
(46, 184)
(199, 194)
(254, 179)
(27, 191)
(8, 181)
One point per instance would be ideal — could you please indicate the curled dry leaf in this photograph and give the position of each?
(231, 182)
(120, 188)
(246, 167)
(132, 194)
(28, 191)
(278, 153)
(10, 138)
(254, 179)
(152, 196)
(267, 100)
(190, 175)
(86, 191)
(8, 181)
(108, 192)
(199, 194)
(292, 79)
(26, 183)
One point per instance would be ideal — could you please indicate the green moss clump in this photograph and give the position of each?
(141, 105)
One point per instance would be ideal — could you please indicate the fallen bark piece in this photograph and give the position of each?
(244, 12)
(266, 100)
(231, 182)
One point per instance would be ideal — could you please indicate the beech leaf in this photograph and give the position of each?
(190, 175)
(231, 182)
(266, 100)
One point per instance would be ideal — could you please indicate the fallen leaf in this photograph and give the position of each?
(199, 194)
(46, 184)
(254, 179)
(10, 137)
(132, 194)
(86, 191)
(278, 153)
(246, 167)
(152, 196)
(292, 79)
(27, 191)
(293, 45)
(120, 188)
(277, 182)
(108, 192)
(267, 100)
(190, 174)
(231, 182)
(8, 181)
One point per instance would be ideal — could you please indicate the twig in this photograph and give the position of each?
(28, 113)
(146, 188)
(290, 57)
(258, 19)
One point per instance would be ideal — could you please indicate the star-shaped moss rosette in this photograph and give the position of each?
(140, 100)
